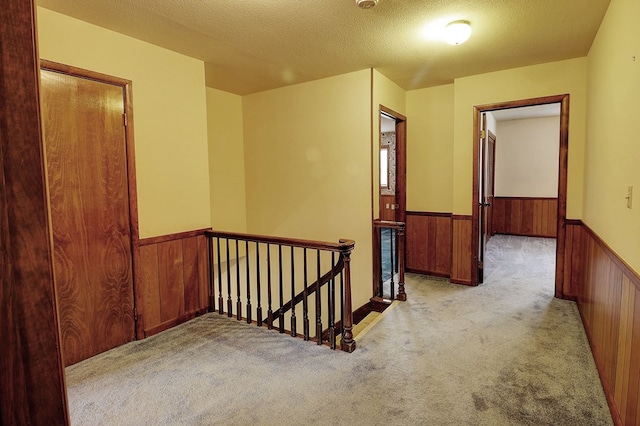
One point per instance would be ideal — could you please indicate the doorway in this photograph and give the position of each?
(91, 186)
(392, 166)
(390, 191)
(483, 196)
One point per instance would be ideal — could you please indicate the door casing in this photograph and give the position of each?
(563, 100)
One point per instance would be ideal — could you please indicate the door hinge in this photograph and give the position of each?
(483, 134)
(481, 265)
(135, 314)
(124, 119)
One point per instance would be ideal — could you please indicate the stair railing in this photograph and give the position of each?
(389, 252)
(248, 270)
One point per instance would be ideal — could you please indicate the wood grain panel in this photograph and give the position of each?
(175, 279)
(574, 259)
(31, 371)
(203, 271)
(191, 274)
(149, 287)
(429, 243)
(532, 217)
(461, 250)
(387, 213)
(171, 279)
(608, 301)
(88, 188)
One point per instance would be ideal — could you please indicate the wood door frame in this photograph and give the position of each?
(563, 100)
(32, 378)
(126, 86)
(401, 190)
(401, 161)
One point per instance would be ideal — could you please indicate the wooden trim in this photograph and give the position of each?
(562, 194)
(32, 380)
(342, 246)
(461, 217)
(171, 237)
(525, 198)
(436, 214)
(562, 178)
(388, 224)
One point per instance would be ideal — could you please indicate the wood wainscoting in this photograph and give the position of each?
(173, 286)
(526, 216)
(429, 243)
(462, 258)
(608, 297)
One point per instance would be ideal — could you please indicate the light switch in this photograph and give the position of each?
(629, 196)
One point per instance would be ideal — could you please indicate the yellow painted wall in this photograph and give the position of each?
(392, 96)
(308, 166)
(553, 78)
(170, 120)
(430, 149)
(613, 144)
(226, 161)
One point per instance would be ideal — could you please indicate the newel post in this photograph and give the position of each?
(401, 248)
(347, 343)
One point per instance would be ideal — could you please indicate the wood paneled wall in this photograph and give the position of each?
(174, 282)
(531, 217)
(609, 301)
(462, 259)
(429, 243)
(574, 259)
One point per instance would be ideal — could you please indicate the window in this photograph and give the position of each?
(384, 167)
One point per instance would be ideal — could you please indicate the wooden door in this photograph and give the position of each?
(490, 185)
(86, 158)
(482, 204)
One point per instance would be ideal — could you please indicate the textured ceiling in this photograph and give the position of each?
(254, 45)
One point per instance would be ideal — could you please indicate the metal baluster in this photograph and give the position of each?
(318, 302)
(293, 292)
(238, 291)
(281, 317)
(392, 284)
(220, 298)
(342, 301)
(259, 308)
(212, 274)
(246, 247)
(381, 271)
(331, 303)
(269, 311)
(229, 301)
(305, 302)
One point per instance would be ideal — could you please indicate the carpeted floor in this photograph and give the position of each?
(504, 353)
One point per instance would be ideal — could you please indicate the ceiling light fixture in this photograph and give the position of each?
(366, 4)
(457, 32)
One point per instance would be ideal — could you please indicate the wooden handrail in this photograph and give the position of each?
(388, 224)
(341, 246)
(225, 290)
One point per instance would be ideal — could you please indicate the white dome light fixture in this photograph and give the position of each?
(457, 32)
(366, 4)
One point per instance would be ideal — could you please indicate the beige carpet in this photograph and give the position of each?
(504, 353)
